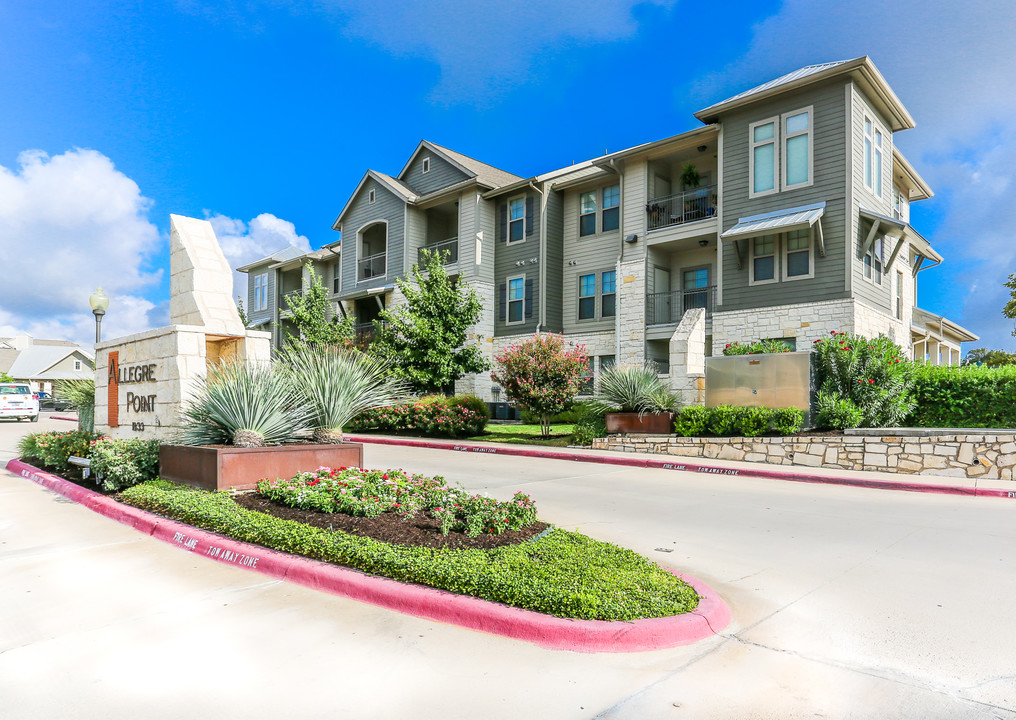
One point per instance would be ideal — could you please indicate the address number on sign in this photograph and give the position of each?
(137, 426)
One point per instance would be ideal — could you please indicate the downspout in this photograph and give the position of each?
(542, 270)
(617, 264)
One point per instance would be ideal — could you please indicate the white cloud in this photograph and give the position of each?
(243, 243)
(69, 223)
(951, 64)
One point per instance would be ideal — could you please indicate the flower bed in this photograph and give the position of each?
(452, 417)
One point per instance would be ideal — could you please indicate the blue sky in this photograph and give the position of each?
(263, 116)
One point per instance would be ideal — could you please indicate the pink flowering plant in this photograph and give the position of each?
(542, 375)
(426, 417)
(369, 493)
(872, 376)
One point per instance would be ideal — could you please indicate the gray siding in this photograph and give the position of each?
(829, 186)
(590, 254)
(441, 173)
(514, 259)
(387, 207)
(555, 261)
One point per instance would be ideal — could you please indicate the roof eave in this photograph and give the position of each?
(913, 176)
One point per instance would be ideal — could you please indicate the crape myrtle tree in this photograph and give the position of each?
(542, 375)
(309, 312)
(424, 338)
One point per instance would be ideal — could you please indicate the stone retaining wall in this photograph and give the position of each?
(967, 456)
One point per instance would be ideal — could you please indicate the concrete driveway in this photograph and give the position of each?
(847, 603)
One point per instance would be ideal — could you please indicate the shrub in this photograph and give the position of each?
(244, 404)
(118, 464)
(873, 374)
(836, 412)
(787, 421)
(633, 388)
(756, 348)
(967, 396)
(753, 421)
(469, 401)
(589, 424)
(692, 421)
(430, 415)
(563, 573)
(723, 420)
(53, 449)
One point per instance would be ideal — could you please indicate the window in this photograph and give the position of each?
(873, 261)
(336, 277)
(763, 260)
(762, 159)
(587, 213)
(797, 149)
(588, 376)
(517, 220)
(872, 157)
(77, 364)
(878, 163)
(611, 208)
(695, 284)
(371, 195)
(797, 259)
(516, 299)
(608, 293)
(900, 204)
(587, 297)
(426, 165)
(260, 292)
(899, 295)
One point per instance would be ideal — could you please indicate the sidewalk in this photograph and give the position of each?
(979, 487)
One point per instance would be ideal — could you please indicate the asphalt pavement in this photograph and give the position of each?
(847, 603)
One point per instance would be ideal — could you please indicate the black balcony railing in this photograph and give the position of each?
(448, 249)
(372, 266)
(363, 333)
(669, 307)
(688, 206)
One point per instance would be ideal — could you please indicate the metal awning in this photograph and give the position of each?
(804, 217)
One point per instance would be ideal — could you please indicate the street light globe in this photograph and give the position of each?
(99, 301)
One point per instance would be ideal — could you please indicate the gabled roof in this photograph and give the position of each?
(484, 174)
(927, 321)
(35, 362)
(290, 252)
(396, 186)
(862, 69)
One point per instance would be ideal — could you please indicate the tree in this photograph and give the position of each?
(5, 378)
(990, 358)
(239, 309)
(424, 339)
(309, 312)
(1009, 310)
(541, 375)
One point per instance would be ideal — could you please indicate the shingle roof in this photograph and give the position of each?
(398, 186)
(487, 174)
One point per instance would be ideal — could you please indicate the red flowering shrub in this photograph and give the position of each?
(432, 416)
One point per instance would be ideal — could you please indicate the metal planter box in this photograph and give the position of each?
(772, 380)
(222, 468)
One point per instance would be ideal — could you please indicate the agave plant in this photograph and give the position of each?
(337, 384)
(633, 388)
(243, 404)
(80, 393)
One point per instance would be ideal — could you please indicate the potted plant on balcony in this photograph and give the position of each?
(690, 177)
(635, 400)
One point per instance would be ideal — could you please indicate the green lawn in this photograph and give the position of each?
(560, 435)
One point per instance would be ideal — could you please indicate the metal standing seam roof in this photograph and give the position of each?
(779, 220)
(782, 80)
(290, 252)
(34, 363)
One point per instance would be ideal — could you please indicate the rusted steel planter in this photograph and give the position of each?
(649, 423)
(222, 468)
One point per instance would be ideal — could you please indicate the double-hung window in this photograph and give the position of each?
(336, 276)
(899, 295)
(611, 208)
(873, 261)
(762, 159)
(517, 220)
(587, 296)
(608, 293)
(261, 292)
(763, 260)
(798, 255)
(516, 299)
(797, 149)
(587, 213)
(872, 157)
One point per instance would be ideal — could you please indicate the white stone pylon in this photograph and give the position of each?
(201, 281)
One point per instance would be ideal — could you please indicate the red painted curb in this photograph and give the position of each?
(63, 417)
(711, 616)
(627, 461)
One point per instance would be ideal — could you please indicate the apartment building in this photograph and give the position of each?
(785, 216)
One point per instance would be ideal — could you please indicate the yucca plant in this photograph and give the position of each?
(337, 384)
(633, 388)
(244, 404)
(80, 393)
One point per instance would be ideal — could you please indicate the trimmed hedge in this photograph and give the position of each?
(726, 420)
(964, 397)
(563, 573)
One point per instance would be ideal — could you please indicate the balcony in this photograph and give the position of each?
(448, 249)
(372, 266)
(363, 332)
(667, 308)
(685, 207)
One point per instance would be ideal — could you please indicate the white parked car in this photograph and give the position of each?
(17, 401)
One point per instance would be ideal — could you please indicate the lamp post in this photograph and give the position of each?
(99, 302)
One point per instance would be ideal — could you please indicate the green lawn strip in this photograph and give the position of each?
(561, 435)
(563, 573)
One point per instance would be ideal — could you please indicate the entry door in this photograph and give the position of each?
(663, 304)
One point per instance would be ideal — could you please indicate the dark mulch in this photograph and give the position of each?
(419, 531)
(73, 474)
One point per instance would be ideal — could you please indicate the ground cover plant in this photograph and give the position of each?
(964, 397)
(561, 573)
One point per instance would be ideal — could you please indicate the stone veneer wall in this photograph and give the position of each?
(966, 456)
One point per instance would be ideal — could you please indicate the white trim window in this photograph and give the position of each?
(873, 149)
(798, 259)
(371, 195)
(426, 165)
(587, 296)
(873, 261)
(336, 277)
(762, 157)
(796, 149)
(587, 213)
(260, 292)
(77, 364)
(517, 220)
(611, 208)
(899, 294)
(608, 293)
(762, 269)
(878, 163)
(516, 300)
